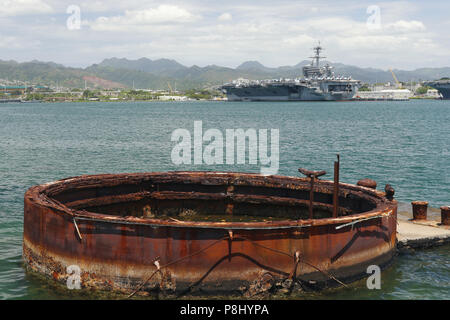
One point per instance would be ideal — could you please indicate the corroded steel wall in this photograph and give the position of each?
(118, 252)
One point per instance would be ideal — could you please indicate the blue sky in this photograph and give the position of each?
(383, 34)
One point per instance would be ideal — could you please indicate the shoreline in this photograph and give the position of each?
(205, 100)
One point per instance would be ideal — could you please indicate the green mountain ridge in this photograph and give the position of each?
(158, 74)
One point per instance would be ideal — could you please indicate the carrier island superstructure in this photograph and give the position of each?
(319, 84)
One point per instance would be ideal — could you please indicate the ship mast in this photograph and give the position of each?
(317, 56)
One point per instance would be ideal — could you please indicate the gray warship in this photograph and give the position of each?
(443, 86)
(319, 84)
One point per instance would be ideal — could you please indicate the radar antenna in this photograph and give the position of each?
(317, 56)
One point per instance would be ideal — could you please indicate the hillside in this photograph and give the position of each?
(156, 74)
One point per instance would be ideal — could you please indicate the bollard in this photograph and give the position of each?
(445, 215)
(389, 192)
(368, 183)
(419, 210)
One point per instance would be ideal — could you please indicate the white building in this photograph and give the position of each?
(393, 94)
(433, 93)
(173, 98)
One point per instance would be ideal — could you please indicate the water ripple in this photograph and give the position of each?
(404, 144)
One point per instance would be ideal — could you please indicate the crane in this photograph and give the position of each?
(170, 87)
(399, 85)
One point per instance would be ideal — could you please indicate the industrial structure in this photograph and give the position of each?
(385, 95)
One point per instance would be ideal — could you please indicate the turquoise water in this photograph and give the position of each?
(406, 144)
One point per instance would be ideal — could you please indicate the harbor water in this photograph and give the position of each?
(405, 144)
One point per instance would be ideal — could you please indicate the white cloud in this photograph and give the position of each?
(132, 19)
(95, 6)
(11, 8)
(198, 32)
(9, 42)
(299, 41)
(392, 10)
(225, 17)
(406, 26)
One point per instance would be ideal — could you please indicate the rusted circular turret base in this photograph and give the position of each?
(133, 233)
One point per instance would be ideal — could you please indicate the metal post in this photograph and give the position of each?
(419, 209)
(336, 188)
(311, 175)
(445, 215)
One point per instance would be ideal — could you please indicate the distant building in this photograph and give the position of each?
(173, 98)
(110, 93)
(15, 90)
(220, 98)
(433, 93)
(21, 89)
(41, 89)
(393, 94)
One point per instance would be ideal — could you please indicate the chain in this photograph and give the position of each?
(297, 261)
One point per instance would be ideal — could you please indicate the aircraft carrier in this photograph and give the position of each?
(319, 84)
(443, 86)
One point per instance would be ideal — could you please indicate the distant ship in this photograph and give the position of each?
(443, 86)
(319, 84)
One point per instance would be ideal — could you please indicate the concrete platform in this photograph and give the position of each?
(420, 234)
